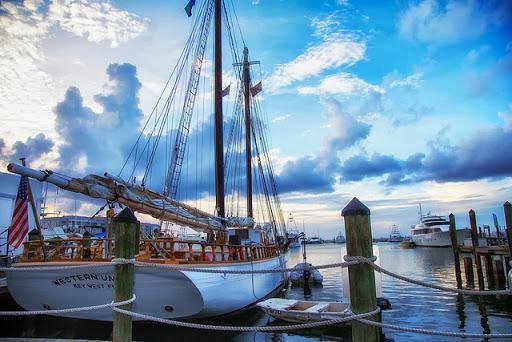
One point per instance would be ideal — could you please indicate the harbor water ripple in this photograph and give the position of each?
(412, 306)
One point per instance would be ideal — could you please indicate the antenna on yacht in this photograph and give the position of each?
(421, 212)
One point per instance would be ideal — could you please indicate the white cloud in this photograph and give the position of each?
(338, 47)
(414, 81)
(344, 84)
(430, 21)
(507, 118)
(28, 91)
(317, 58)
(97, 21)
(281, 118)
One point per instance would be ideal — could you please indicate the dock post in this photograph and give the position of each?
(489, 273)
(468, 269)
(455, 247)
(361, 277)
(125, 230)
(507, 208)
(500, 274)
(476, 256)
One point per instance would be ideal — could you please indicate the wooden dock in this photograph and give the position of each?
(491, 254)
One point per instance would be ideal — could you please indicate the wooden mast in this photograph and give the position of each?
(219, 139)
(248, 154)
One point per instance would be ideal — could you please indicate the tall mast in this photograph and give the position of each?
(219, 139)
(248, 154)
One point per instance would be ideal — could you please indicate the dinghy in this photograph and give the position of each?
(300, 311)
(297, 276)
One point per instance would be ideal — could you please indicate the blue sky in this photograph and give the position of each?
(395, 102)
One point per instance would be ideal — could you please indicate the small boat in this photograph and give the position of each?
(407, 244)
(297, 277)
(314, 241)
(300, 311)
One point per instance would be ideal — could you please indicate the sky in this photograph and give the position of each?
(394, 102)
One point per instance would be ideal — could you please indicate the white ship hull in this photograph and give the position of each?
(185, 294)
(439, 239)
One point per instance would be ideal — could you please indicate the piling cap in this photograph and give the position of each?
(355, 207)
(507, 204)
(126, 215)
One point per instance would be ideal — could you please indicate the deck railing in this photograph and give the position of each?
(159, 250)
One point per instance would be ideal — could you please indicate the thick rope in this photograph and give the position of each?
(225, 271)
(433, 332)
(433, 286)
(349, 261)
(115, 261)
(69, 310)
(245, 328)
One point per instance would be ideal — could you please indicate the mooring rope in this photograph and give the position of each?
(433, 332)
(227, 271)
(426, 284)
(246, 328)
(68, 310)
(349, 261)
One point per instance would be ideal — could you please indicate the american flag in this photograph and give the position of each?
(19, 224)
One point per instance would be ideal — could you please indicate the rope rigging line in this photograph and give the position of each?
(182, 57)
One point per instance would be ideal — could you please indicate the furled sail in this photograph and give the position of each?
(138, 198)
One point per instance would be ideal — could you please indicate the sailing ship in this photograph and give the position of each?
(395, 235)
(293, 232)
(238, 237)
(429, 231)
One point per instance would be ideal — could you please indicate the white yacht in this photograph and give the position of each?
(429, 232)
(339, 238)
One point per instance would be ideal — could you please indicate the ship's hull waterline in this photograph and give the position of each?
(160, 292)
(440, 239)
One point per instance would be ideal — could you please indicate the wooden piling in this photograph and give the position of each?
(489, 273)
(500, 273)
(507, 208)
(125, 229)
(476, 256)
(361, 277)
(468, 270)
(455, 247)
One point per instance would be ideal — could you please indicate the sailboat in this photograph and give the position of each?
(253, 241)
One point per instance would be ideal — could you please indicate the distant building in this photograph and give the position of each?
(81, 224)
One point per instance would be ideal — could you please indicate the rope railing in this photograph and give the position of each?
(310, 325)
(349, 261)
(68, 310)
(426, 284)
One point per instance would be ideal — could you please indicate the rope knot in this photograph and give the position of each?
(123, 261)
(361, 259)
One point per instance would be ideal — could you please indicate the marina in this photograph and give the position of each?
(156, 209)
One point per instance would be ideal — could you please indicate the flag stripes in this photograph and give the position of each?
(19, 223)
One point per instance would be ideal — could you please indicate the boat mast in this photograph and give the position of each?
(219, 139)
(248, 154)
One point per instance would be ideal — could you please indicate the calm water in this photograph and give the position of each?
(412, 306)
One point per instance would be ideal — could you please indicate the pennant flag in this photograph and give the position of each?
(189, 6)
(19, 224)
(256, 89)
(226, 90)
